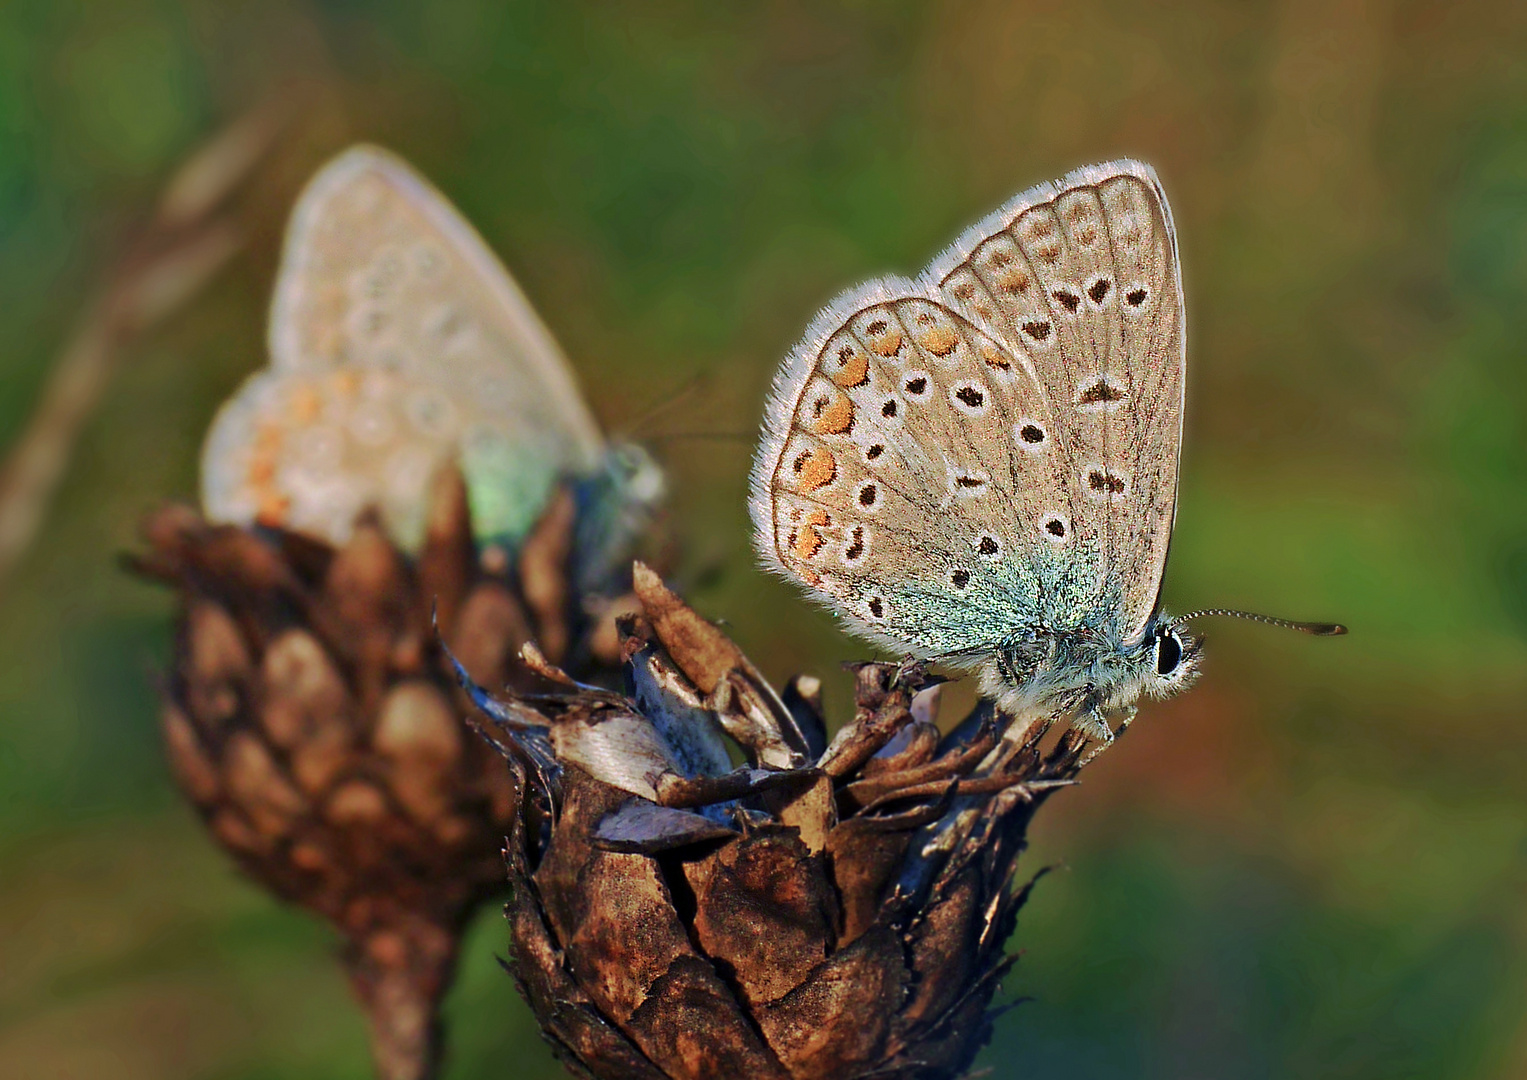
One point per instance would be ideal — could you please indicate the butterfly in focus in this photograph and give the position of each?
(398, 345)
(979, 466)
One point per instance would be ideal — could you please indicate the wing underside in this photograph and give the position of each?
(994, 444)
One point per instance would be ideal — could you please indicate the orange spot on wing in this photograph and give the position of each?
(1014, 282)
(889, 345)
(818, 470)
(837, 418)
(854, 372)
(992, 356)
(273, 508)
(941, 340)
(262, 470)
(809, 541)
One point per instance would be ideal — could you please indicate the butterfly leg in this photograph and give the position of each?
(1091, 722)
(909, 667)
(1096, 717)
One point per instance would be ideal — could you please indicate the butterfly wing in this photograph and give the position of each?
(1081, 279)
(385, 288)
(380, 271)
(309, 450)
(909, 472)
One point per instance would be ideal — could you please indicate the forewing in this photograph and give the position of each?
(1081, 279)
(909, 474)
(379, 271)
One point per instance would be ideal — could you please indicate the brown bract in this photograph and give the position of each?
(313, 719)
(815, 911)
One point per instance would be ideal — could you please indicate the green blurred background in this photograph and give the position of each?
(1313, 865)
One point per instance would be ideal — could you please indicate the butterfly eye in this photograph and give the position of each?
(1168, 652)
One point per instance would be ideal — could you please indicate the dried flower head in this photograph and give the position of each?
(311, 718)
(821, 910)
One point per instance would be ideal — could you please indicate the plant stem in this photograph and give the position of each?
(400, 972)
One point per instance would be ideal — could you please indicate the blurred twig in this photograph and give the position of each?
(169, 261)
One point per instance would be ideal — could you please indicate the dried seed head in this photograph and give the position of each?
(313, 718)
(815, 912)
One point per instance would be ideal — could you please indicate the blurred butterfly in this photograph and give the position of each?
(399, 343)
(979, 466)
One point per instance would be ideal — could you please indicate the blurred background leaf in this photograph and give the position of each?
(1330, 876)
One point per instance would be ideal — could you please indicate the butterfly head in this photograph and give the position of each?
(1090, 668)
(632, 472)
(1114, 674)
(616, 503)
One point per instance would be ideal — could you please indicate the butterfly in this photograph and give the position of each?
(399, 343)
(979, 466)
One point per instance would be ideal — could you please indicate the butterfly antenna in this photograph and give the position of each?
(718, 436)
(668, 401)
(1316, 629)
